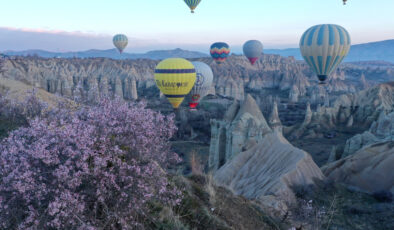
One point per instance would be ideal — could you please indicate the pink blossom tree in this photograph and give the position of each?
(98, 167)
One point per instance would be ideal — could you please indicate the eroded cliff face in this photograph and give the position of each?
(358, 110)
(253, 158)
(243, 126)
(380, 131)
(82, 77)
(370, 169)
(131, 78)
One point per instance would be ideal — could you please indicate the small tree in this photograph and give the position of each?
(94, 168)
(15, 113)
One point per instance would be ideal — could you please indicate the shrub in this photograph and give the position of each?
(21, 111)
(16, 113)
(94, 168)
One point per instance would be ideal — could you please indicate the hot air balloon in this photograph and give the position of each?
(175, 78)
(252, 50)
(220, 51)
(344, 2)
(202, 85)
(192, 4)
(324, 47)
(120, 41)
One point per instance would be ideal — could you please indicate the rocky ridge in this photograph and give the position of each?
(361, 169)
(132, 78)
(357, 110)
(254, 159)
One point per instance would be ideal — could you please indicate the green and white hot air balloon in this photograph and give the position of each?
(324, 47)
(192, 4)
(120, 41)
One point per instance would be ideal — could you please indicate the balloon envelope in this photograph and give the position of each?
(324, 47)
(220, 51)
(120, 41)
(203, 83)
(175, 78)
(192, 4)
(252, 50)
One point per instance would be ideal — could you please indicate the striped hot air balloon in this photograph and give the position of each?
(324, 47)
(252, 50)
(192, 4)
(175, 77)
(120, 41)
(220, 51)
(202, 85)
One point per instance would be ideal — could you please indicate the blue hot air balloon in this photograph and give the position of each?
(324, 47)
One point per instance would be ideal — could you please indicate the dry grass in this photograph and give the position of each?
(19, 90)
(195, 164)
(210, 189)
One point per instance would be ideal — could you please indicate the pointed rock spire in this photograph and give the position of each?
(333, 155)
(308, 115)
(274, 120)
(232, 111)
(350, 122)
(364, 82)
(250, 106)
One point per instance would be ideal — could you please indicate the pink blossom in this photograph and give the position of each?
(81, 169)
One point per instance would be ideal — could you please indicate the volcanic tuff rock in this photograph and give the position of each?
(254, 160)
(76, 77)
(380, 131)
(232, 79)
(360, 109)
(243, 125)
(294, 94)
(274, 120)
(19, 90)
(370, 169)
(271, 167)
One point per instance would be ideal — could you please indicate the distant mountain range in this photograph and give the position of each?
(111, 53)
(374, 51)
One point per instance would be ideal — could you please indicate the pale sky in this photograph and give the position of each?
(74, 25)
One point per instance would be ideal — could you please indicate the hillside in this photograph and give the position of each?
(373, 51)
(111, 53)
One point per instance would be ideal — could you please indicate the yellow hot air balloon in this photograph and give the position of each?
(175, 77)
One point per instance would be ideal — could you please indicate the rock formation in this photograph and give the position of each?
(253, 160)
(232, 79)
(242, 126)
(294, 94)
(380, 131)
(349, 110)
(19, 90)
(274, 120)
(370, 169)
(77, 77)
(271, 167)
